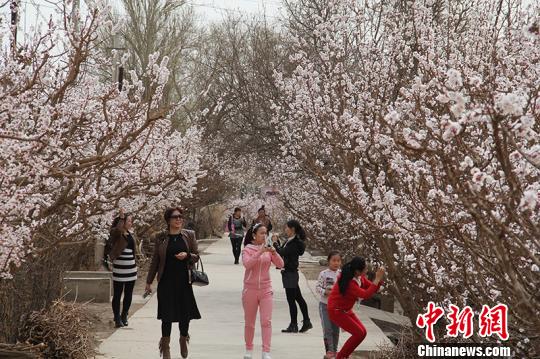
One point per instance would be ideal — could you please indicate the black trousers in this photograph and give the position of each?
(236, 244)
(166, 328)
(294, 295)
(118, 288)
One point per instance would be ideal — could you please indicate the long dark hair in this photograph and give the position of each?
(108, 243)
(348, 272)
(117, 220)
(294, 224)
(251, 232)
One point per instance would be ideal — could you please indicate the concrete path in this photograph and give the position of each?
(220, 333)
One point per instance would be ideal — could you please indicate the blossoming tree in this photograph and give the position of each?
(74, 150)
(417, 124)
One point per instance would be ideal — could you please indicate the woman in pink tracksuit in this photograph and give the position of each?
(257, 294)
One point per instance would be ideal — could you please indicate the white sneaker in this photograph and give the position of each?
(266, 355)
(248, 355)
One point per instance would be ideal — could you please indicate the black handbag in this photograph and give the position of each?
(198, 277)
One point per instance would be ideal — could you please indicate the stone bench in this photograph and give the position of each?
(84, 287)
(90, 274)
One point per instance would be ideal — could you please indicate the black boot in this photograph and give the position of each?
(292, 328)
(118, 322)
(124, 319)
(306, 325)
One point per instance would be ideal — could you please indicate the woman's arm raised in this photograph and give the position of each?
(373, 287)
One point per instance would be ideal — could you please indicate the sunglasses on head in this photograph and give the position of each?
(177, 216)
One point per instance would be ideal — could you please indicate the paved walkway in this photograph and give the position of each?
(220, 333)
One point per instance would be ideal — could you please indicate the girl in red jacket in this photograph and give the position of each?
(344, 294)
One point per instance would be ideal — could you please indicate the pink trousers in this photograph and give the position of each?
(253, 299)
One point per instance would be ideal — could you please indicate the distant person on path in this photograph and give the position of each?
(291, 250)
(263, 219)
(327, 279)
(342, 299)
(257, 258)
(175, 252)
(236, 225)
(123, 247)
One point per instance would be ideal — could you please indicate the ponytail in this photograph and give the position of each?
(348, 273)
(298, 229)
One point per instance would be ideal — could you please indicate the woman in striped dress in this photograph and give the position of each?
(124, 267)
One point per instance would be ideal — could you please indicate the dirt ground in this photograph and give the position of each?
(102, 322)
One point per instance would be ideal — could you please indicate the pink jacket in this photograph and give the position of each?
(257, 275)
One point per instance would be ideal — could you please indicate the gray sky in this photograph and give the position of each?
(34, 12)
(215, 10)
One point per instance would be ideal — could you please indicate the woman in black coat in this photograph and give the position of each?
(293, 248)
(175, 252)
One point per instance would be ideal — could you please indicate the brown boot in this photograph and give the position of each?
(184, 341)
(164, 349)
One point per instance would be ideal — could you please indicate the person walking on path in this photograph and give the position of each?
(175, 252)
(236, 225)
(327, 279)
(257, 258)
(123, 246)
(263, 219)
(291, 250)
(345, 294)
